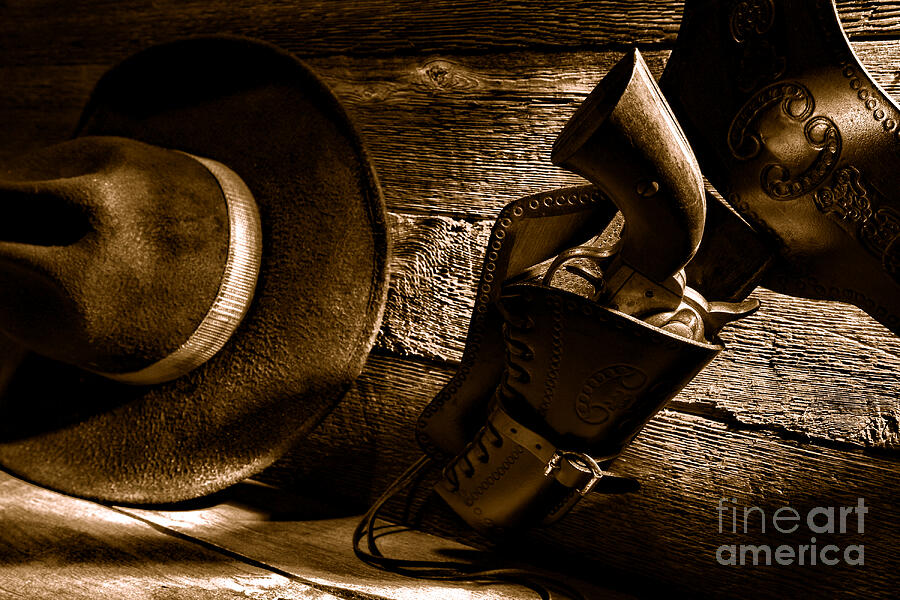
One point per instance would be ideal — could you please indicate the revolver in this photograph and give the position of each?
(577, 340)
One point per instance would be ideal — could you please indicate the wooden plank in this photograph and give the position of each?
(250, 520)
(457, 136)
(464, 135)
(663, 537)
(54, 546)
(811, 368)
(102, 31)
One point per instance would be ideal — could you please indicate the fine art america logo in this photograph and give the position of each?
(821, 520)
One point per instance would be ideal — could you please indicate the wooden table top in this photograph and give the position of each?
(459, 104)
(253, 541)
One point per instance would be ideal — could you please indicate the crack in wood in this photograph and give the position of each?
(241, 557)
(720, 414)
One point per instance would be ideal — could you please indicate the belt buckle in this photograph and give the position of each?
(581, 462)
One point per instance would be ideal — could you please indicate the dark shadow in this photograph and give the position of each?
(40, 397)
(267, 502)
(613, 484)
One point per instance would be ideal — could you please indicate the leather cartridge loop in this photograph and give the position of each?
(235, 290)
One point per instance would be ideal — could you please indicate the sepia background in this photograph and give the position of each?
(459, 104)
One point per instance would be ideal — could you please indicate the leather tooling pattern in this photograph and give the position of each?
(750, 22)
(796, 103)
(492, 477)
(555, 357)
(848, 201)
(820, 134)
(846, 198)
(880, 107)
(872, 100)
(751, 18)
(609, 391)
(882, 235)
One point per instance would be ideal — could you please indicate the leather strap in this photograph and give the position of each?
(572, 469)
(511, 475)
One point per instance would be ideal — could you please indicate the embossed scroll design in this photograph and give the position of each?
(750, 23)
(848, 201)
(751, 18)
(609, 391)
(820, 133)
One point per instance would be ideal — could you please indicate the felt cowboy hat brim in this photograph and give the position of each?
(317, 305)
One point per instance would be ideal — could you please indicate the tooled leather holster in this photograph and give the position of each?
(580, 381)
(574, 346)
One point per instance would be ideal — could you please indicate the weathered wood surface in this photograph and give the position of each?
(459, 136)
(662, 537)
(459, 105)
(254, 542)
(99, 30)
(269, 526)
(53, 546)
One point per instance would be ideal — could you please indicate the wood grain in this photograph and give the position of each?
(248, 521)
(53, 546)
(454, 139)
(457, 136)
(102, 31)
(666, 535)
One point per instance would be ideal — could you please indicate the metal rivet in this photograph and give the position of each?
(646, 188)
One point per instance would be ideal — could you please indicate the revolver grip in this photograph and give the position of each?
(625, 139)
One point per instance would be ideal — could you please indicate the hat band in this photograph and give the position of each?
(235, 290)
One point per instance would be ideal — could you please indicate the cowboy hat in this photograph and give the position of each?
(190, 283)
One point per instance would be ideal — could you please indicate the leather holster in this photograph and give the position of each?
(580, 382)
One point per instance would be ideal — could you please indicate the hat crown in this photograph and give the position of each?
(308, 213)
(114, 253)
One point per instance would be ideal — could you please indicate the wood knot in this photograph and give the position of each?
(439, 72)
(443, 74)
